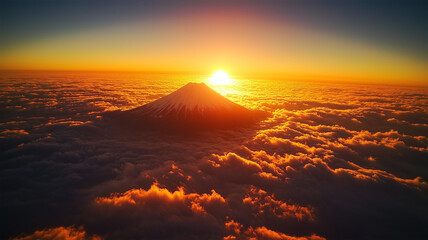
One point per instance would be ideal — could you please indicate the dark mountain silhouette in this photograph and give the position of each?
(194, 106)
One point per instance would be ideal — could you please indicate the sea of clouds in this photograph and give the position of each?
(332, 162)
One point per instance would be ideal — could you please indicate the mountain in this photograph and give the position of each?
(193, 106)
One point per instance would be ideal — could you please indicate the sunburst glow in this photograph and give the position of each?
(220, 77)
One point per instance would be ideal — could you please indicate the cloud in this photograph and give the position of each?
(263, 203)
(159, 213)
(347, 165)
(7, 132)
(238, 231)
(160, 196)
(59, 233)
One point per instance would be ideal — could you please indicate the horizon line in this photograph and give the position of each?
(266, 76)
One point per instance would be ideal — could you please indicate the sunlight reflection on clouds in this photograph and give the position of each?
(329, 158)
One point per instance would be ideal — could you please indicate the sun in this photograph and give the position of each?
(220, 77)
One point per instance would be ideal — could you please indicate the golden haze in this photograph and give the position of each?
(201, 43)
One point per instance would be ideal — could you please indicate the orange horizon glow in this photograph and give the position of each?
(239, 76)
(201, 42)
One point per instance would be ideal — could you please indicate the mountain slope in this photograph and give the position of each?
(193, 106)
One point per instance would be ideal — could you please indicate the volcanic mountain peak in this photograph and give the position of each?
(193, 106)
(191, 99)
(191, 96)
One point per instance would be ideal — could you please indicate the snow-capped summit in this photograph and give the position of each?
(190, 99)
(194, 105)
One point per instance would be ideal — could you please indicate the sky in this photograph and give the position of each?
(363, 41)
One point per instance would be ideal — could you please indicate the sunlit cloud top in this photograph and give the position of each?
(367, 41)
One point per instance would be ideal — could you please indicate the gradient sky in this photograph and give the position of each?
(366, 41)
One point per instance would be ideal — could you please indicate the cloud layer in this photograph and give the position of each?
(333, 162)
